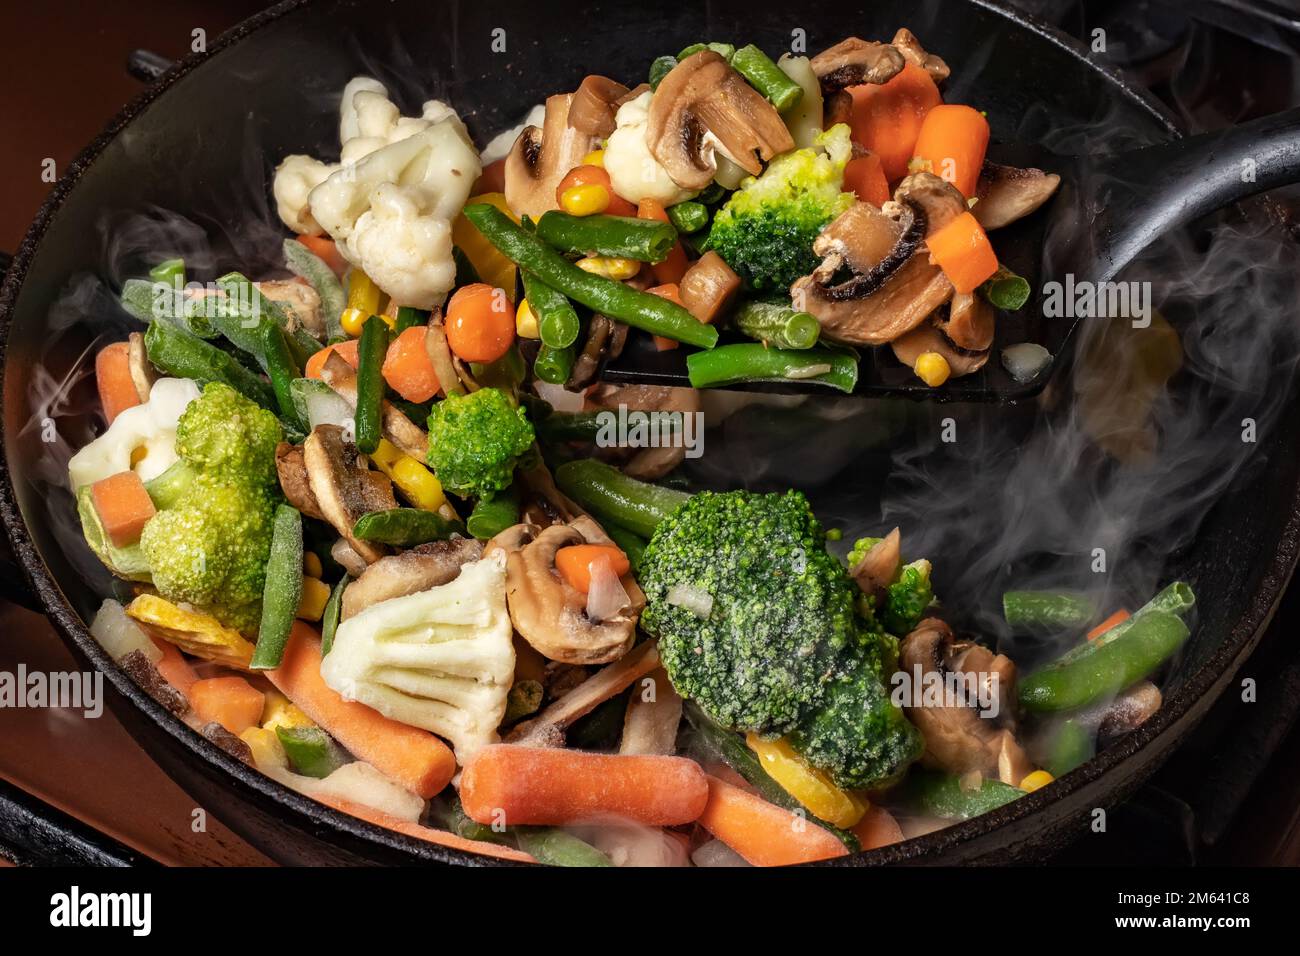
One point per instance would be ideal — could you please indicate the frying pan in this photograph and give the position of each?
(273, 81)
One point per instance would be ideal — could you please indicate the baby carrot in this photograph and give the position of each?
(671, 270)
(877, 828)
(174, 668)
(574, 563)
(887, 118)
(763, 833)
(865, 176)
(480, 323)
(429, 834)
(324, 248)
(113, 376)
(588, 175)
(953, 139)
(520, 786)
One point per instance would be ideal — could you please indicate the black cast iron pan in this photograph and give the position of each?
(273, 81)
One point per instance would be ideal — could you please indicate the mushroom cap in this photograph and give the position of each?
(1008, 193)
(540, 158)
(854, 61)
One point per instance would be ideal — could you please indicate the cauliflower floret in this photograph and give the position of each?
(633, 170)
(150, 428)
(349, 121)
(294, 180)
(441, 659)
(408, 254)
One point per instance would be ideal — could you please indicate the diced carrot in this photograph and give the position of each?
(551, 786)
(887, 118)
(408, 369)
(347, 351)
(174, 668)
(1119, 617)
(671, 270)
(232, 702)
(113, 376)
(480, 324)
(763, 833)
(963, 251)
(953, 140)
(440, 837)
(414, 758)
(326, 250)
(672, 292)
(123, 506)
(877, 828)
(865, 176)
(492, 179)
(595, 175)
(574, 562)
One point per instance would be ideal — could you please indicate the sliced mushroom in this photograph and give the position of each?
(906, 43)
(550, 614)
(594, 104)
(439, 352)
(542, 157)
(1127, 712)
(837, 108)
(879, 566)
(397, 428)
(143, 671)
(300, 301)
(1007, 193)
(646, 464)
(703, 95)
(653, 715)
(419, 569)
(141, 369)
(853, 62)
(544, 496)
(344, 490)
(605, 339)
(292, 469)
(929, 337)
(969, 322)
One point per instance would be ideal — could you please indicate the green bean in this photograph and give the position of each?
(942, 795)
(404, 527)
(329, 621)
(689, 216)
(371, 350)
(724, 50)
(310, 750)
(1005, 290)
(612, 496)
(553, 847)
(661, 67)
(1102, 671)
(766, 77)
(629, 542)
(645, 240)
(147, 300)
(712, 194)
(243, 310)
(409, 318)
(557, 320)
(1071, 745)
(1176, 598)
(306, 264)
(570, 426)
(777, 325)
(169, 271)
(459, 823)
(185, 355)
(1048, 611)
(282, 592)
(641, 310)
(493, 515)
(753, 362)
(506, 373)
(281, 371)
(554, 365)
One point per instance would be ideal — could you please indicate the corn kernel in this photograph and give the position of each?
(1036, 780)
(311, 565)
(610, 267)
(932, 368)
(587, 200)
(315, 593)
(352, 320)
(526, 321)
(595, 158)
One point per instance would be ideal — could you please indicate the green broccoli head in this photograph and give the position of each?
(765, 231)
(907, 598)
(860, 549)
(223, 434)
(475, 441)
(782, 609)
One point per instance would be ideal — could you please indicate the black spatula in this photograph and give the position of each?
(1106, 211)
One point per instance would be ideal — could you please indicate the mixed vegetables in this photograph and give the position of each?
(370, 543)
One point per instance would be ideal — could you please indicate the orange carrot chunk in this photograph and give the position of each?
(123, 506)
(480, 323)
(865, 177)
(1119, 617)
(113, 376)
(414, 758)
(574, 563)
(671, 270)
(325, 249)
(549, 787)
(232, 702)
(877, 828)
(953, 140)
(174, 668)
(887, 118)
(347, 351)
(763, 833)
(672, 292)
(963, 251)
(408, 369)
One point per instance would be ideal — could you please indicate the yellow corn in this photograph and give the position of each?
(420, 486)
(526, 321)
(315, 593)
(267, 750)
(810, 786)
(1036, 780)
(352, 320)
(363, 294)
(311, 565)
(279, 711)
(492, 267)
(595, 158)
(610, 267)
(589, 199)
(932, 368)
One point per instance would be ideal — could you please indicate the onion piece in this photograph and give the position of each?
(558, 397)
(329, 408)
(716, 853)
(1025, 360)
(606, 595)
(695, 600)
(121, 635)
(435, 344)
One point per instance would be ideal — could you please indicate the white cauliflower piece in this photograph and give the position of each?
(349, 122)
(633, 170)
(149, 429)
(294, 180)
(441, 659)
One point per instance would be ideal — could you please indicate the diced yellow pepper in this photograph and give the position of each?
(417, 483)
(311, 565)
(595, 158)
(526, 321)
(192, 631)
(609, 267)
(279, 711)
(589, 199)
(1036, 781)
(363, 294)
(315, 593)
(810, 786)
(932, 368)
(491, 266)
(268, 752)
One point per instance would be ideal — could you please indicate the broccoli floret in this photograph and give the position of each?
(860, 549)
(475, 441)
(907, 598)
(766, 229)
(208, 543)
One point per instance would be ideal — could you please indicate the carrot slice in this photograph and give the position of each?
(347, 351)
(953, 140)
(480, 325)
(123, 506)
(113, 376)
(414, 758)
(673, 293)
(407, 368)
(963, 251)
(877, 828)
(671, 270)
(574, 563)
(326, 250)
(763, 833)
(887, 118)
(1119, 617)
(865, 177)
(440, 837)
(549, 786)
(174, 668)
(232, 702)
